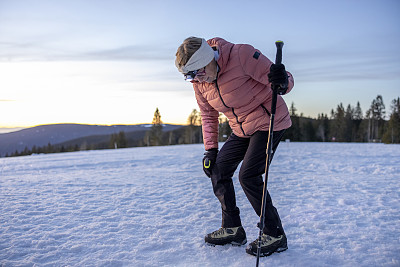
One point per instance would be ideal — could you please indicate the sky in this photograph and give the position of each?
(112, 62)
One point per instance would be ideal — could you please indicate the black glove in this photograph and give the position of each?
(278, 78)
(209, 160)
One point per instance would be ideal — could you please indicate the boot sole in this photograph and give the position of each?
(233, 243)
(266, 254)
(237, 244)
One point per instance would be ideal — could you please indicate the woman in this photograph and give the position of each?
(235, 79)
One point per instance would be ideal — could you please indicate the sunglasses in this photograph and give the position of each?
(189, 76)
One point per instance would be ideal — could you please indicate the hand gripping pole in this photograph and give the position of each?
(278, 60)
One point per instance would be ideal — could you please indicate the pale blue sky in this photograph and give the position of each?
(112, 62)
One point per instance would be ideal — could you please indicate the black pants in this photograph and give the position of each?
(253, 153)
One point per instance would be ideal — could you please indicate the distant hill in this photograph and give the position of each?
(103, 141)
(61, 133)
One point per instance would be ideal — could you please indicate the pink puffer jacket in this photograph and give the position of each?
(241, 92)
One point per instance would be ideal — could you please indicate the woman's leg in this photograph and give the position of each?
(250, 178)
(228, 159)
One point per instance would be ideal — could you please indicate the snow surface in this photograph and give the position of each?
(339, 204)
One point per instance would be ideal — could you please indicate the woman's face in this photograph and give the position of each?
(208, 73)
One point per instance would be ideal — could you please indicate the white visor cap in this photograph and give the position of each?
(199, 59)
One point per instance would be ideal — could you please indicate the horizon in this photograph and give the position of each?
(5, 129)
(15, 129)
(72, 61)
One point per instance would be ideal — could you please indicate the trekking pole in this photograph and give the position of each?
(278, 60)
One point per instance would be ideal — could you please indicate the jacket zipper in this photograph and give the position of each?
(233, 110)
(266, 110)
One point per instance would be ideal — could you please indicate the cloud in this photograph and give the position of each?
(15, 51)
(317, 64)
(344, 65)
(131, 52)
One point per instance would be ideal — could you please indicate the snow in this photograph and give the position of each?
(152, 206)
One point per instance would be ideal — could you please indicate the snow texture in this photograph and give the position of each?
(339, 204)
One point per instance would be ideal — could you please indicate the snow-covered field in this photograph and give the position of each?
(339, 204)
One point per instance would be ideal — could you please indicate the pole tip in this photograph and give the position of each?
(279, 44)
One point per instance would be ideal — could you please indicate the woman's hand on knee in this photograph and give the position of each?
(209, 160)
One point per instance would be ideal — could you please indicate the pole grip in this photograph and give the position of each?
(278, 61)
(279, 45)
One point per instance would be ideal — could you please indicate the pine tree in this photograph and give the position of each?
(156, 129)
(294, 133)
(392, 134)
(358, 112)
(192, 131)
(376, 116)
(224, 129)
(338, 123)
(348, 130)
(310, 133)
(357, 121)
(322, 127)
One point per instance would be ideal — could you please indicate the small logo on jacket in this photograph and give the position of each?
(256, 55)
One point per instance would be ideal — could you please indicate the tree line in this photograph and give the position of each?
(349, 124)
(190, 134)
(343, 124)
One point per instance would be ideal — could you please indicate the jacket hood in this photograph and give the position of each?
(223, 47)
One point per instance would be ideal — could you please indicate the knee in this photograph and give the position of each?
(247, 177)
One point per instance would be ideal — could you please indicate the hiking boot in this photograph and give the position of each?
(269, 245)
(235, 236)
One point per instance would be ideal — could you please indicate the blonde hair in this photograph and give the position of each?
(187, 49)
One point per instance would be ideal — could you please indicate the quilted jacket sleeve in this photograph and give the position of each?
(257, 66)
(209, 118)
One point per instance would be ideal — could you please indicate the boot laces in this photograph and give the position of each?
(220, 232)
(265, 239)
